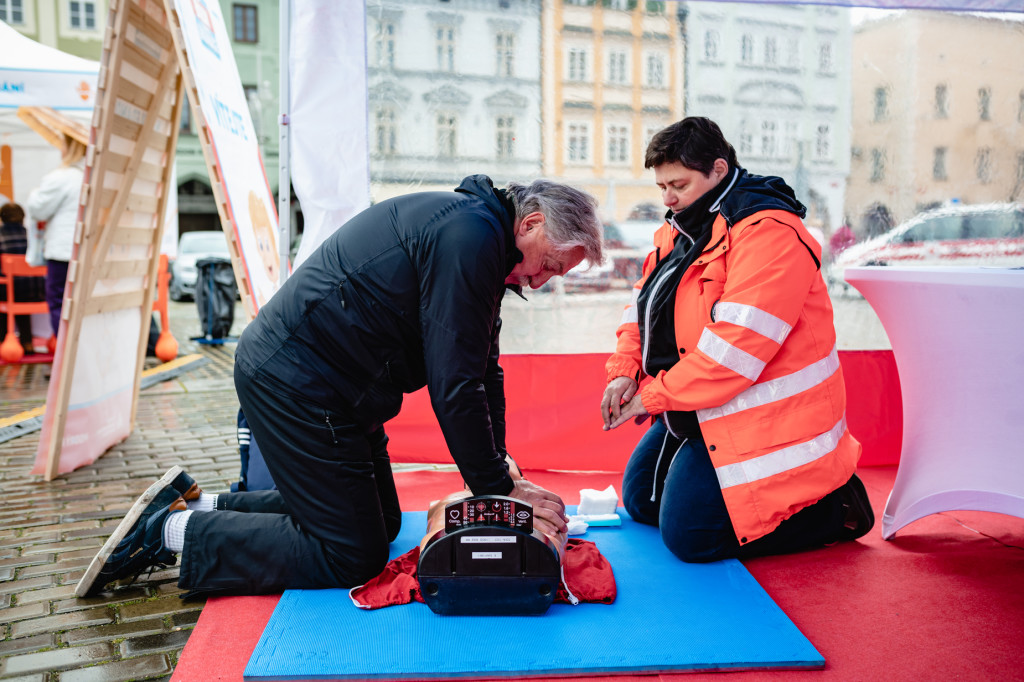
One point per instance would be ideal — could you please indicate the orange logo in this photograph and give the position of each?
(84, 91)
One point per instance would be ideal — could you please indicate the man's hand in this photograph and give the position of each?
(619, 390)
(548, 509)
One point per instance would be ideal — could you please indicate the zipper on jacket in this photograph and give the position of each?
(647, 315)
(327, 418)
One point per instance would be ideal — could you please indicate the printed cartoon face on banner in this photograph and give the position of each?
(234, 142)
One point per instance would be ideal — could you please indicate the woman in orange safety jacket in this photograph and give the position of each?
(731, 336)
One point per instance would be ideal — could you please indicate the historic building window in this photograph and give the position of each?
(939, 164)
(983, 163)
(579, 142)
(769, 138)
(245, 23)
(445, 47)
(747, 48)
(505, 137)
(618, 144)
(617, 67)
(771, 51)
(941, 101)
(82, 15)
(12, 11)
(825, 64)
(384, 41)
(881, 104)
(505, 45)
(656, 71)
(579, 61)
(877, 165)
(823, 142)
(711, 46)
(446, 130)
(385, 134)
(985, 104)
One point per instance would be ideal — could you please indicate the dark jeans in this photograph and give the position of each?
(56, 278)
(671, 484)
(328, 524)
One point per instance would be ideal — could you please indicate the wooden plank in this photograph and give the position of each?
(116, 269)
(127, 86)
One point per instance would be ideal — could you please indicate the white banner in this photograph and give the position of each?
(233, 142)
(329, 151)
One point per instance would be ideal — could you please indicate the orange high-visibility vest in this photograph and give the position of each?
(757, 363)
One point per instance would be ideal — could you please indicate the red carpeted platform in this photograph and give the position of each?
(943, 600)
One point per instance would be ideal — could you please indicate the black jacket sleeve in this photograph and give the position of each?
(461, 284)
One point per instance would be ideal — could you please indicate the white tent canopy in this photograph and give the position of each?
(34, 74)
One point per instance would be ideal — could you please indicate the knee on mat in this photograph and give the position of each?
(692, 546)
(357, 567)
(638, 504)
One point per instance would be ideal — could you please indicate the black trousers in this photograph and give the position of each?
(328, 524)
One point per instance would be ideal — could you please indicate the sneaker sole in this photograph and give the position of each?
(85, 585)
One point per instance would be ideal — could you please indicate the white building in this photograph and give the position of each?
(776, 79)
(454, 89)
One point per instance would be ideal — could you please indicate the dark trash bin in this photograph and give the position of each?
(216, 291)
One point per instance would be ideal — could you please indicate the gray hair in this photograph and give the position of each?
(570, 215)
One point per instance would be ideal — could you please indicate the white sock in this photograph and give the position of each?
(174, 530)
(206, 502)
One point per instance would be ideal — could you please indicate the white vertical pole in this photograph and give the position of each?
(284, 207)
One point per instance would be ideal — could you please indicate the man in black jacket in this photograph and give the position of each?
(405, 294)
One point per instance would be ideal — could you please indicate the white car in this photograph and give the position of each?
(989, 235)
(193, 247)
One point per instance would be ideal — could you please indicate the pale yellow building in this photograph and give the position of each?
(938, 115)
(612, 76)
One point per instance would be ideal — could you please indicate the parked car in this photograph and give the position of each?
(965, 235)
(193, 247)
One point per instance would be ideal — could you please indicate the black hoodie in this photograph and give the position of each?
(405, 294)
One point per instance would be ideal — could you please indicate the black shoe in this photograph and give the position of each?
(857, 510)
(137, 542)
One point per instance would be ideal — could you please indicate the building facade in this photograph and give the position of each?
(72, 26)
(938, 116)
(776, 79)
(454, 89)
(612, 77)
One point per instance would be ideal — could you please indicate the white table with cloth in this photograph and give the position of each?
(957, 335)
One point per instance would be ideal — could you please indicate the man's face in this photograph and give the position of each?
(681, 186)
(541, 261)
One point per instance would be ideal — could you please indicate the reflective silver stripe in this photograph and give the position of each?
(777, 389)
(729, 356)
(752, 318)
(630, 314)
(782, 460)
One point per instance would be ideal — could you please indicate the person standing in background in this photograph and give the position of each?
(14, 239)
(55, 202)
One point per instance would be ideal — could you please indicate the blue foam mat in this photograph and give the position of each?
(668, 616)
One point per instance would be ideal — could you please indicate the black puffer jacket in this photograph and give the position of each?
(405, 294)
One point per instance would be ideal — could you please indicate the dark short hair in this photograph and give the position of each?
(695, 141)
(12, 213)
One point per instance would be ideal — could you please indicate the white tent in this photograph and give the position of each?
(34, 74)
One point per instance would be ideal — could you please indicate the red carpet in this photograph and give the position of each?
(943, 600)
